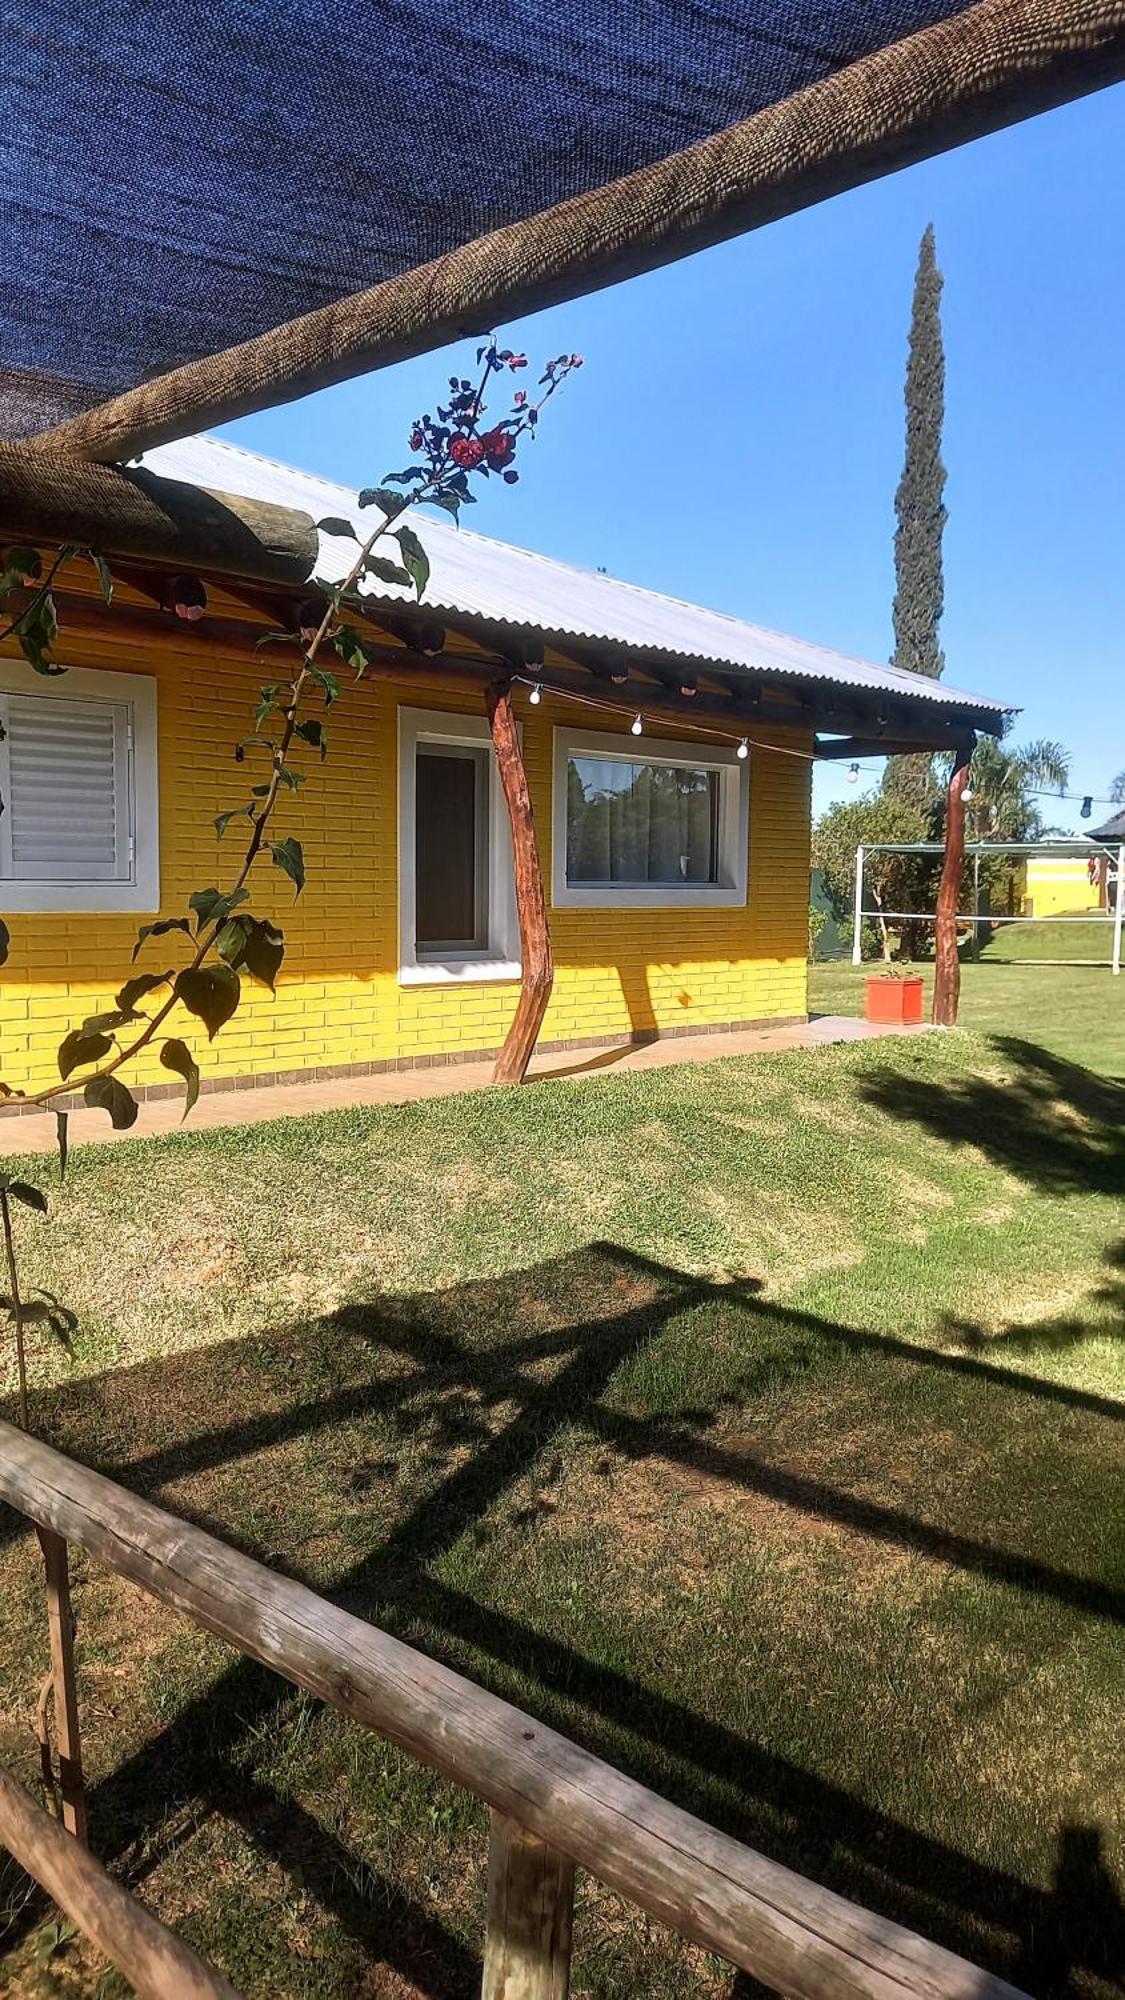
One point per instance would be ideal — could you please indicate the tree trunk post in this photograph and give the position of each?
(947, 965)
(530, 1911)
(531, 903)
(72, 1784)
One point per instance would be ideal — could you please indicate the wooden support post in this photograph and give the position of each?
(61, 1617)
(947, 965)
(530, 1909)
(531, 902)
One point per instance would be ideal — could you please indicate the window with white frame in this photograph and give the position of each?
(78, 781)
(456, 888)
(647, 826)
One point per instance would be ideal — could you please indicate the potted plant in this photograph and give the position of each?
(894, 998)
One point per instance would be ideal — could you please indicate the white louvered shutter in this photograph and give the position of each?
(66, 783)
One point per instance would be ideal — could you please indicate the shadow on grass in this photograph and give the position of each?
(459, 1396)
(1056, 1125)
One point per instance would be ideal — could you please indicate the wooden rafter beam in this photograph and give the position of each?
(135, 514)
(984, 68)
(896, 743)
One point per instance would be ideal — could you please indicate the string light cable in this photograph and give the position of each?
(736, 740)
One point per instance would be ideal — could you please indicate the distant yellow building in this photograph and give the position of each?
(1059, 885)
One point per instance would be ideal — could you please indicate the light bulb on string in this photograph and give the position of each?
(853, 774)
(1087, 808)
(535, 697)
(743, 749)
(637, 726)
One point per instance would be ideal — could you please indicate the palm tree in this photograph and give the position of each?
(1003, 783)
(1117, 790)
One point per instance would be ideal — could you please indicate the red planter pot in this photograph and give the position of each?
(894, 1003)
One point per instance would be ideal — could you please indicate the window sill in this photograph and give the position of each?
(79, 899)
(458, 971)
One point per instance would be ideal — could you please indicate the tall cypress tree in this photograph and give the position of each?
(920, 513)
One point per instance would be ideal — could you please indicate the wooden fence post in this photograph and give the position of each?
(530, 1909)
(61, 1620)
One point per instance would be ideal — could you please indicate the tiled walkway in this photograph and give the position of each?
(33, 1133)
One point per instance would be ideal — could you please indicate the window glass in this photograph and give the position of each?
(634, 822)
(451, 849)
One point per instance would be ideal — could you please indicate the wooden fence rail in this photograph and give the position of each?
(157, 1964)
(553, 1805)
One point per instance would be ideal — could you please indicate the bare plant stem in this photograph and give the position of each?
(17, 1303)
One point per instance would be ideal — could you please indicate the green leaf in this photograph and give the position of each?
(32, 1197)
(105, 581)
(268, 705)
(275, 639)
(327, 681)
(135, 989)
(293, 780)
(78, 1049)
(335, 524)
(383, 498)
(176, 1055)
(253, 945)
(6, 935)
(105, 1093)
(246, 743)
(21, 565)
(333, 592)
(210, 992)
(223, 820)
(289, 857)
(415, 558)
(62, 1133)
(447, 501)
(350, 647)
(104, 1024)
(385, 570)
(311, 732)
(160, 929)
(37, 631)
(213, 906)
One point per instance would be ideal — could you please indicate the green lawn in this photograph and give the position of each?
(757, 1422)
(1050, 983)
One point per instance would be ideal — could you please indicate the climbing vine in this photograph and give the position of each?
(225, 942)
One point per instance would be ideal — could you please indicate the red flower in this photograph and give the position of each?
(517, 361)
(466, 452)
(498, 448)
(520, 398)
(416, 440)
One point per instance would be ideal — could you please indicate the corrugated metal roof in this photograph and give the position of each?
(475, 576)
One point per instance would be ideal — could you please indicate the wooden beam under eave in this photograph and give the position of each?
(943, 736)
(136, 514)
(985, 67)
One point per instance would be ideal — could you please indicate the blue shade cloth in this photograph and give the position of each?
(179, 177)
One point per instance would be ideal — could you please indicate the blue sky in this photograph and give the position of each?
(736, 434)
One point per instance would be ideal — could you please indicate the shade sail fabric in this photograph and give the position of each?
(476, 577)
(180, 177)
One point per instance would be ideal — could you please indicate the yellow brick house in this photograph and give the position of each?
(668, 754)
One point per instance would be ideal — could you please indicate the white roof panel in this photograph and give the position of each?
(475, 576)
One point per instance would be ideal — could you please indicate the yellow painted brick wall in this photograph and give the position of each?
(339, 1000)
